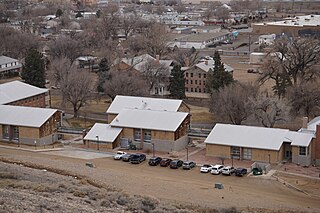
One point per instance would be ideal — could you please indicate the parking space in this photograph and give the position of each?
(81, 154)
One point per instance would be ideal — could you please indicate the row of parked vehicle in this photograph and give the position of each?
(176, 163)
(225, 170)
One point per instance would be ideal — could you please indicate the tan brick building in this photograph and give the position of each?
(133, 102)
(260, 144)
(18, 93)
(28, 125)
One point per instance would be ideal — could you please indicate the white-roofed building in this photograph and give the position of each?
(132, 102)
(22, 94)
(104, 136)
(259, 144)
(9, 67)
(158, 129)
(28, 125)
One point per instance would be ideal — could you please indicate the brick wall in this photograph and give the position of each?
(34, 101)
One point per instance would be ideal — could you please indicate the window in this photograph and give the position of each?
(5, 130)
(199, 89)
(15, 133)
(191, 75)
(137, 135)
(195, 90)
(191, 82)
(247, 154)
(204, 82)
(195, 81)
(199, 75)
(235, 152)
(187, 81)
(303, 150)
(187, 89)
(187, 75)
(199, 82)
(204, 75)
(204, 90)
(191, 89)
(147, 135)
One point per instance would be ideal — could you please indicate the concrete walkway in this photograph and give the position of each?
(32, 149)
(184, 158)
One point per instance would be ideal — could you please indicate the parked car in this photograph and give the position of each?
(154, 161)
(257, 171)
(216, 169)
(228, 170)
(240, 172)
(188, 165)
(126, 157)
(175, 164)
(206, 168)
(165, 162)
(118, 155)
(137, 158)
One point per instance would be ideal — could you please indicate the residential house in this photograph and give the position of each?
(270, 145)
(153, 129)
(147, 65)
(267, 39)
(196, 78)
(28, 125)
(131, 102)
(103, 136)
(21, 94)
(9, 67)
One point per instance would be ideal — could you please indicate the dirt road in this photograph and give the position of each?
(189, 187)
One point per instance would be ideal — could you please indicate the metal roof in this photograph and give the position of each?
(132, 102)
(299, 138)
(17, 90)
(312, 125)
(105, 132)
(6, 60)
(149, 119)
(247, 136)
(210, 65)
(24, 116)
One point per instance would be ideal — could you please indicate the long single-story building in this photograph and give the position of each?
(28, 125)
(103, 136)
(131, 102)
(148, 129)
(21, 94)
(259, 144)
(9, 67)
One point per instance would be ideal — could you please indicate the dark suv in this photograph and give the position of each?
(175, 164)
(137, 158)
(240, 172)
(154, 161)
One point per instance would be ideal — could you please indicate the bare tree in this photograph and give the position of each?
(59, 68)
(305, 99)
(124, 83)
(270, 110)
(222, 13)
(76, 88)
(155, 73)
(292, 61)
(186, 58)
(66, 47)
(232, 102)
(109, 22)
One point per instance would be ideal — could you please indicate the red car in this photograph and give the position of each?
(165, 162)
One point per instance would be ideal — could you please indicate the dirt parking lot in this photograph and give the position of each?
(189, 187)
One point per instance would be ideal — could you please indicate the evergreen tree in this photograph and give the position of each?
(59, 13)
(103, 74)
(177, 83)
(33, 70)
(219, 77)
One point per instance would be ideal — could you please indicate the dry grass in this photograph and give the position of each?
(200, 114)
(83, 123)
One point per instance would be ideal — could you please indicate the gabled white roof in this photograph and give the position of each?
(299, 138)
(17, 90)
(149, 119)
(312, 125)
(105, 132)
(247, 136)
(210, 65)
(6, 60)
(24, 116)
(132, 102)
(139, 62)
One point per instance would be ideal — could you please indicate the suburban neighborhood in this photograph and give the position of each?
(160, 106)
